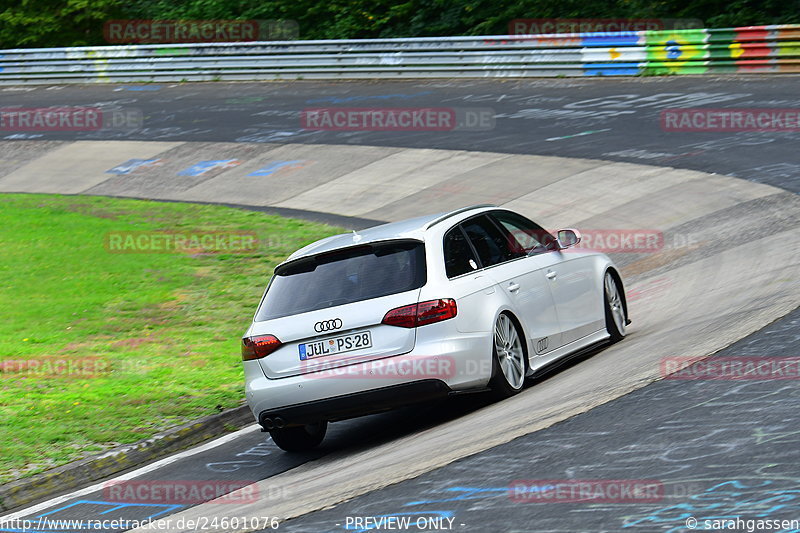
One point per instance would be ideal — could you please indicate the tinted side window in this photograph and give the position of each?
(492, 245)
(526, 235)
(458, 256)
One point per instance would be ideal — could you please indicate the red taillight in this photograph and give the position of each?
(404, 317)
(259, 346)
(436, 311)
(411, 316)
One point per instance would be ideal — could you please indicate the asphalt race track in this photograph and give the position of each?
(609, 119)
(720, 449)
(582, 153)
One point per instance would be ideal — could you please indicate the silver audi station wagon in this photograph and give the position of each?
(478, 298)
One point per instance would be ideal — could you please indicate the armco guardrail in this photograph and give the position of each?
(731, 50)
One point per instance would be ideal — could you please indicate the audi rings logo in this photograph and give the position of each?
(328, 325)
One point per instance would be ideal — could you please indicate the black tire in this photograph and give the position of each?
(616, 314)
(501, 384)
(299, 438)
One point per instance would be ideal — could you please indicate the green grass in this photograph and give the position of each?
(162, 329)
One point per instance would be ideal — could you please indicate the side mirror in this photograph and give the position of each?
(568, 237)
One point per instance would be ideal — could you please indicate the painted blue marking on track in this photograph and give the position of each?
(204, 166)
(276, 166)
(469, 493)
(130, 165)
(475, 493)
(119, 505)
(86, 520)
(724, 501)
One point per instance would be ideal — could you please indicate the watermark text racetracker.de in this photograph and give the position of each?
(541, 26)
(730, 119)
(586, 490)
(590, 491)
(416, 367)
(67, 367)
(638, 240)
(182, 492)
(641, 241)
(69, 118)
(731, 368)
(165, 242)
(139, 31)
(398, 119)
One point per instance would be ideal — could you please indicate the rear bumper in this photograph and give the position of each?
(357, 404)
(460, 363)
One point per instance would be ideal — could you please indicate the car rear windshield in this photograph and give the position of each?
(344, 276)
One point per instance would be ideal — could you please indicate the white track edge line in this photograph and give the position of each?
(130, 475)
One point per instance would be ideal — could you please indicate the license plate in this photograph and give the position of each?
(334, 345)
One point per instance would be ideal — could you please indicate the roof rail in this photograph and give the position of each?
(457, 212)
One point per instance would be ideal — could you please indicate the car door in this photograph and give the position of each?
(469, 284)
(521, 278)
(573, 284)
(570, 276)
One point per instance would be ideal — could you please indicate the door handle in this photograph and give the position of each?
(551, 275)
(513, 287)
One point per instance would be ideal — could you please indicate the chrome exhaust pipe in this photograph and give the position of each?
(268, 423)
(279, 422)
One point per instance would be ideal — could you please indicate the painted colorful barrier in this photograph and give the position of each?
(754, 49)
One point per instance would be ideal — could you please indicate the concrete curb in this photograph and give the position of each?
(92, 469)
(352, 223)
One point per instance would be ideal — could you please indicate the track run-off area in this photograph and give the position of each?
(589, 154)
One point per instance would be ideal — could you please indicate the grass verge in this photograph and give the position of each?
(103, 343)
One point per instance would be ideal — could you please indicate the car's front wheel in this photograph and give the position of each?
(616, 318)
(299, 438)
(508, 358)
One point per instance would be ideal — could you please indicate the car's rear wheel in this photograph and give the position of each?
(616, 318)
(299, 438)
(508, 359)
